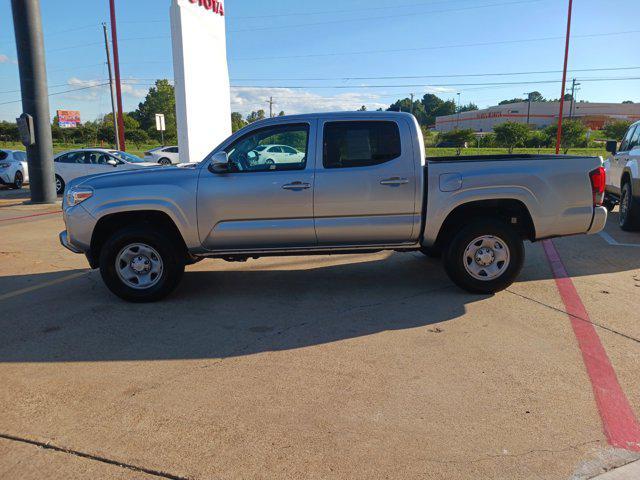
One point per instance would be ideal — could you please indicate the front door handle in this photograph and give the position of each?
(395, 181)
(296, 186)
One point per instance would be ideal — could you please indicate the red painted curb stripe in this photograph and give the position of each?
(618, 420)
(28, 216)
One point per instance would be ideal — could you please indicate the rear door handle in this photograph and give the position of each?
(394, 181)
(296, 186)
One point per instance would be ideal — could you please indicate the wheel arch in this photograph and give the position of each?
(510, 211)
(109, 224)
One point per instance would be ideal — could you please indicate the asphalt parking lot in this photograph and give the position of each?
(371, 366)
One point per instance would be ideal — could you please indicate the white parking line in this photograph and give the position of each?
(612, 241)
(22, 291)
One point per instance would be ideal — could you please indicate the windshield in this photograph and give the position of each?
(127, 157)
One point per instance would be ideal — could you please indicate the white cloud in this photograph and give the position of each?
(4, 58)
(96, 88)
(292, 101)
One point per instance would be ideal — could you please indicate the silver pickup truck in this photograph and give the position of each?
(326, 184)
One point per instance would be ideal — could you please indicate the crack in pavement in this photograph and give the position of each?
(97, 458)
(559, 310)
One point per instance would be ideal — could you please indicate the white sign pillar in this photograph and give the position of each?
(203, 99)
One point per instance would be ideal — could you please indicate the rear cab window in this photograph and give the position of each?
(352, 144)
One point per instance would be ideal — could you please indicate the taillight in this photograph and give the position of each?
(598, 181)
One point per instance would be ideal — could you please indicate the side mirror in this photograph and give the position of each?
(219, 163)
(112, 162)
(612, 147)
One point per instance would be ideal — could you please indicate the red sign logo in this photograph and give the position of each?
(213, 5)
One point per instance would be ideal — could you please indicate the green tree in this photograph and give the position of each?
(573, 134)
(616, 130)
(511, 134)
(434, 107)
(255, 116)
(363, 108)
(513, 100)
(281, 114)
(138, 137)
(237, 122)
(537, 139)
(470, 107)
(627, 102)
(160, 99)
(459, 137)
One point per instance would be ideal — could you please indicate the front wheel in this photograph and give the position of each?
(59, 185)
(17, 181)
(484, 257)
(140, 264)
(164, 162)
(629, 219)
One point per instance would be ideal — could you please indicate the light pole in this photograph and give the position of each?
(528, 107)
(36, 120)
(459, 107)
(573, 96)
(116, 67)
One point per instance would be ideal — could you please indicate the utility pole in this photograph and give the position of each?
(27, 22)
(411, 107)
(116, 65)
(270, 102)
(113, 94)
(564, 79)
(458, 118)
(573, 96)
(528, 108)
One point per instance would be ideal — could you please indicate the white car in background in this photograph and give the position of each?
(163, 155)
(277, 154)
(91, 161)
(13, 168)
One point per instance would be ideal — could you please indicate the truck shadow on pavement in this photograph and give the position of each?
(218, 314)
(261, 306)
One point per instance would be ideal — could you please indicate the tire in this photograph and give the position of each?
(474, 251)
(17, 181)
(142, 247)
(629, 219)
(269, 162)
(164, 161)
(431, 252)
(59, 185)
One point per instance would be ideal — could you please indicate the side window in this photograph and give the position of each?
(245, 154)
(635, 140)
(73, 157)
(626, 141)
(288, 150)
(360, 144)
(171, 150)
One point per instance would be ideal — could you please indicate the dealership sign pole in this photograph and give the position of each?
(564, 79)
(203, 103)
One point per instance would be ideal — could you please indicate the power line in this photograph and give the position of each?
(60, 93)
(383, 17)
(454, 75)
(438, 47)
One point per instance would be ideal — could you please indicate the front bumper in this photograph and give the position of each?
(64, 241)
(599, 220)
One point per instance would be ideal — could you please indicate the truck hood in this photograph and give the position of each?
(147, 175)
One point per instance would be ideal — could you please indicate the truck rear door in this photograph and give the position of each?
(366, 187)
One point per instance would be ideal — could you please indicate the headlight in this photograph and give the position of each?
(5, 165)
(76, 196)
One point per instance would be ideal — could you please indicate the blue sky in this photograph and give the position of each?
(335, 49)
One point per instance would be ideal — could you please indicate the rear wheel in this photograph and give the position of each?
(140, 264)
(18, 181)
(59, 185)
(484, 257)
(164, 161)
(629, 219)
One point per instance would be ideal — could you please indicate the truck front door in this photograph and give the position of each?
(366, 184)
(258, 204)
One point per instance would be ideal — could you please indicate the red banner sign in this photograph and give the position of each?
(68, 118)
